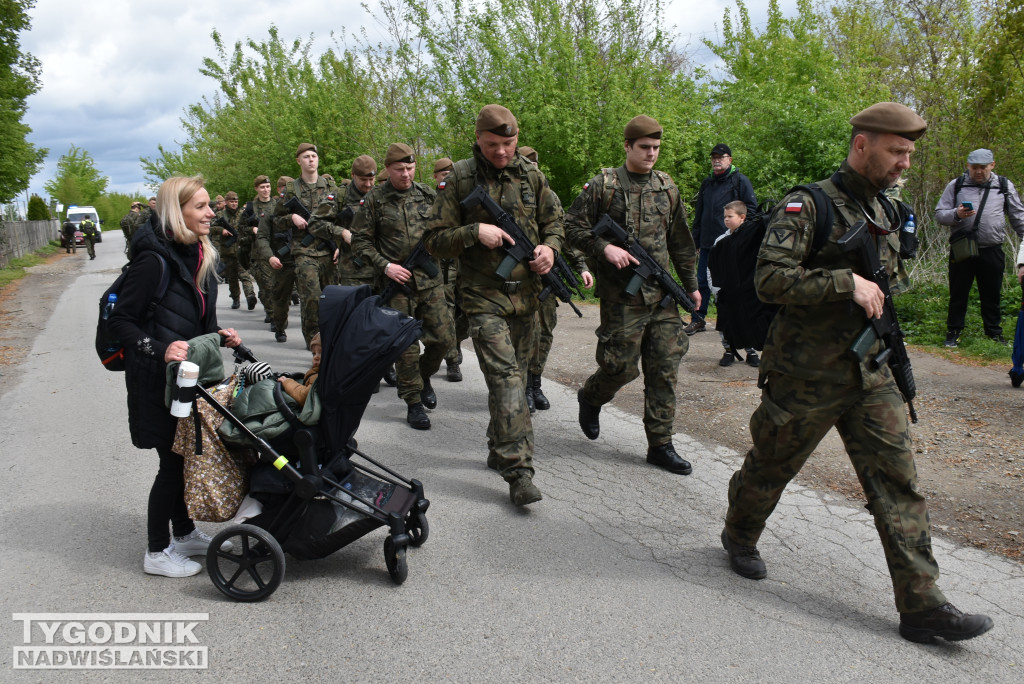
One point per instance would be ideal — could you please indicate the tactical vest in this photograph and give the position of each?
(659, 182)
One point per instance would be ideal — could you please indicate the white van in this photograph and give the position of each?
(77, 213)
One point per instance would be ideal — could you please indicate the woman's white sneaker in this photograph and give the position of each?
(170, 563)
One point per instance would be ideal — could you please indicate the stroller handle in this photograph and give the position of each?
(243, 353)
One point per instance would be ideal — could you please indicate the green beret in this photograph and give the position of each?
(304, 147)
(642, 126)
(890, 117)
(399, 152)
(364, 165)
(260, 180)
(529, 153)
(443, 164)
(498, 120)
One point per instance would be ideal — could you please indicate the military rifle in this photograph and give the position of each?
(887, 327)
(294, 206)
(222, 222)
(568, 275)
(647, 267)
(522, 249)
(419, 256)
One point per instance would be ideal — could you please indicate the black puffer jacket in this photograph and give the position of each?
(183, 313)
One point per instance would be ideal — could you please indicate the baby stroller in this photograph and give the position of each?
(331, 494)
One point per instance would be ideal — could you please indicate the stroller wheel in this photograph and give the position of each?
(394, 558)
(417, 527)
(253, 568)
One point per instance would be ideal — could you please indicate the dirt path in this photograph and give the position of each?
(969, 442)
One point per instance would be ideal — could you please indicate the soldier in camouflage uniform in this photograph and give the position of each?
(333, 221)
(647, 204)
(226, 239)
(450, 274)
(314, 261)
(128, 223)
(384, 233)
(274, 249)
(256, 211)
(501, 313)
(547, 319)
(812, 382)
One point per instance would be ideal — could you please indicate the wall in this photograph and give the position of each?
(18, 238)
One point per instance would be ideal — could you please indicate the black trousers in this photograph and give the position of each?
(167, 502)
(987, 268)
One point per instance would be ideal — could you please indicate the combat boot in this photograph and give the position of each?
(522, 491)
(427, 395)
(539, 400)
(250, 302)
(665, 456)
(235, 303)
(280, 336)
(529, 394)
(744, 560)
(417, 417)
(945, 622)
(454, 372)
(589, 417)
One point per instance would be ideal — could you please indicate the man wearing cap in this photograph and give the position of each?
(501, 312)
(225, 232)
(725, 184)
(255, 212)
(976, 206)
(333, 221)
(313, 256)
(274, 249)
(810, 382)
(450, 273)
(647, 204)
(384, 233)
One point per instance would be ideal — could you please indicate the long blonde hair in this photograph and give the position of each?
(173, 194)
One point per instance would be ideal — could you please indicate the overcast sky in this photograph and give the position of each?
(118, 75)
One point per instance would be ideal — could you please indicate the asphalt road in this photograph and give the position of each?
(617, 575)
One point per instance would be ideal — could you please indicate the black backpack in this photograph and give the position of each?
(732, 263)
(109, 348)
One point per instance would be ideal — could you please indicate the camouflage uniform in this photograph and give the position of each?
(70, 246)
(233, 273)
(547, 318)
(386, 230)
(811, 382)
(636, 329)
(88, 229)
(329, 220)
(449, 276)
(259, 266)
(313, 263)
(501, 314)
(269, 243)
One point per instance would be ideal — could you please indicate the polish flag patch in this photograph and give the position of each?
(794, 207)
(441, 185)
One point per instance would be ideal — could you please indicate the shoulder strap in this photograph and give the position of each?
(464, 173)
(611, 183)
(1004, 187)
(823, 213)
(165, 280)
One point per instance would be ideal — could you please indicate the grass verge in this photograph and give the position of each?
(16, 268)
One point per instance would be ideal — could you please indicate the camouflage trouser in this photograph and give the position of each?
(90, 244)
(233, 273)
(312, 274)
(503, 346)
(263, 272)
(281, 294)
(653, 336)
(438, 334)
(793, 417)
(452, 300)
(547, 319)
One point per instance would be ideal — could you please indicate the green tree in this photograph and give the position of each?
(19, 78)
(37, 209)
(78, 181)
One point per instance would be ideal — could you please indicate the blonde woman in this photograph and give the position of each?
(175, 237)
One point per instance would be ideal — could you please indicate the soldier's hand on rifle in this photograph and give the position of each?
(491, 236)
(543, 259)
(397, 273)
(299, 222)
(868, 296)
(618, 257)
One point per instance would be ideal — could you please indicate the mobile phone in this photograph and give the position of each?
(969, 206)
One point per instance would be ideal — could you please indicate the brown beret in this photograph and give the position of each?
(260, 180)
(642, 126)
(382, 176)
(890, 117)
(304, 147)
(218, 198)
(284, 180)
(232, 195)
(399, 152)
(443, 164)
(497, 120)
(529, 153)
(364, 165)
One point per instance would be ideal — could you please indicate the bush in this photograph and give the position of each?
(37, 209)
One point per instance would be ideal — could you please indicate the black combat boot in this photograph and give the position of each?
(589, 417)
(280, 336)
(945, 622)
(427, 395)
(417, 417)
(521, 489)
(454, 372)
(529, 394)
(744, 560)
(665, 456)
(539, 400)
(235, 303)
(250, 302)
